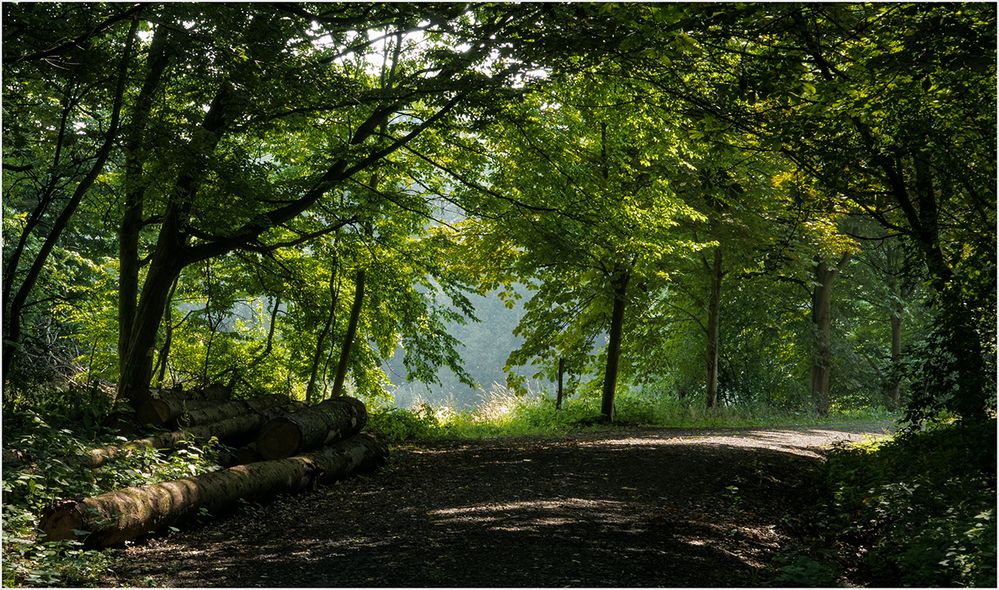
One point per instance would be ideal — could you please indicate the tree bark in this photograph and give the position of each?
(620, 285)
(170, 408)
(334, 419)
(217, 412)
(116, 517)
(234, 429)
(348, 339)
(561, 373)
(714, 328)
(135, 188)
(822, 324)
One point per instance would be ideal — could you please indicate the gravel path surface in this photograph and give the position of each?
(626, 508)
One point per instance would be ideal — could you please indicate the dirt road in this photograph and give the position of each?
(627, 508)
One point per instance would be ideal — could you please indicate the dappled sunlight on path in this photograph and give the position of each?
(627, 508)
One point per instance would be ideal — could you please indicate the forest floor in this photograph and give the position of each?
(627, 508)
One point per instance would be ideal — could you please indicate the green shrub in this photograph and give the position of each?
(922, 504)
(398, 425)
(52, 473)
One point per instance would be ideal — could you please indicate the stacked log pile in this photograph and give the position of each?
(286, 447)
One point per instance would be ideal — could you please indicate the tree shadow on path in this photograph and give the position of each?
(632, 509)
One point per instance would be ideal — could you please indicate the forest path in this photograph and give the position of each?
(634, 507)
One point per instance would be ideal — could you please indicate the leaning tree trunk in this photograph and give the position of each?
(334, 419)
(126, 514)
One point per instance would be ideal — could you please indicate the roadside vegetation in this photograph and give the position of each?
(915, 509)
(504, 413)
(50, 429)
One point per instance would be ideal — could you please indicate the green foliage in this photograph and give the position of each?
(920, 506)
(398, 425)
(804, 571)
(52, 472)
(504, 412)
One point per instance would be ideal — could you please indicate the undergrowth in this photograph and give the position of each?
(506, 414)
(915, 509)
(49, 471)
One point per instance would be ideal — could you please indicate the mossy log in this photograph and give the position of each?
(171, 408)
(122, 515)
(226, 410)
(334, 419)
(166, 405)
(233, 430)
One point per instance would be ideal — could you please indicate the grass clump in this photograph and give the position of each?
(504, 413)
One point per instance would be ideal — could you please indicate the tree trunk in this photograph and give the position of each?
(166, 405)
(165, 268)
(126, 514)
(714, 330)
(894, 387)
(135, 188)
(334, 419)
(171, 253)
(561, 373)
(822, 320)
(317, 358)
(348, 339)
(620, 284)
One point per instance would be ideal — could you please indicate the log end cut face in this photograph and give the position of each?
(61, 521)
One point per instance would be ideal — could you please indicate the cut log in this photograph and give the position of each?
(232, 430)
(215, 392)
(223, 411)
(171, 408)
(115, 517)
(166, 405)
(334, 419)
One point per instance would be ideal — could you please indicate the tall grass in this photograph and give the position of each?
(503, 413)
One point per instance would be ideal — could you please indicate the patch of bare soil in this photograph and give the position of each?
(632, 508)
